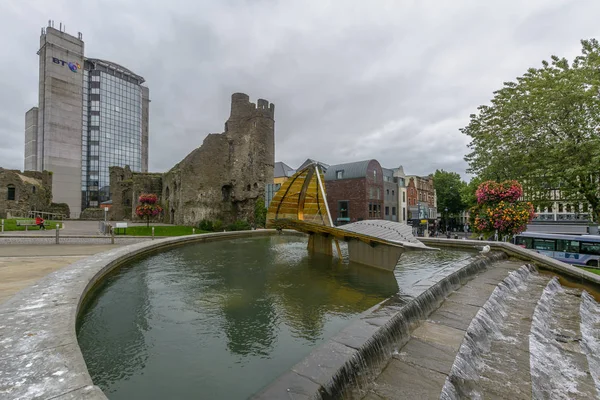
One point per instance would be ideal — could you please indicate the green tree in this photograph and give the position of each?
(449, 187)
(544, 130)
(467, 193)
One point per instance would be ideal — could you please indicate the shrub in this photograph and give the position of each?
(260, 213)
(206, 225)
(239, 225)
(210, 226)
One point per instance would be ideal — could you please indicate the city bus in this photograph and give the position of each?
(583, 250)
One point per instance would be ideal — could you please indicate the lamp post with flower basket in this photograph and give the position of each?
(148, 207)
(499, 210)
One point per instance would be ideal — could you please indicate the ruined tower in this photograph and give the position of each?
(223, 178)
(250, 131)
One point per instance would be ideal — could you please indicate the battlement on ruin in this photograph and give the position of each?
(241, 107)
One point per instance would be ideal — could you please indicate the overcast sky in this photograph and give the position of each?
(351, 80)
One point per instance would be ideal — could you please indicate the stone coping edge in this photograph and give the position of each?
(39, 354)
(350, 360)
(541, 261)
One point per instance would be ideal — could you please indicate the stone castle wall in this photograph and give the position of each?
(220, 180)
(125, 188)
(32, 192)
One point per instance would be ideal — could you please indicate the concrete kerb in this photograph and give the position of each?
(39, 353)
(541, 261)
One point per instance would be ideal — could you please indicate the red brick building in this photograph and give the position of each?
(355, 191)
(421, 197)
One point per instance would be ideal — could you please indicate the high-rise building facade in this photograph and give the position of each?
(112, 125)
(92, 114)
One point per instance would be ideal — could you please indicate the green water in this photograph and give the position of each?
(221, 320)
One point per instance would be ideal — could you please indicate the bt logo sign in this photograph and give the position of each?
(72, 66)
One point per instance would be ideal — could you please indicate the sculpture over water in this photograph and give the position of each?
(301, 204)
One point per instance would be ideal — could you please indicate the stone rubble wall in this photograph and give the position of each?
(220, 180)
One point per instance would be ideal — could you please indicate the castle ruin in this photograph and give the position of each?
(220, 180)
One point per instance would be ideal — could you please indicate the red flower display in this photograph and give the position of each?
(499, 210)
(491, 192)
(148, 207)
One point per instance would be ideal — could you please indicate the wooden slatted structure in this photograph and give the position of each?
(301, 198)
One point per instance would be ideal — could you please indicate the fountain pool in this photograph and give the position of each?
(221, 320)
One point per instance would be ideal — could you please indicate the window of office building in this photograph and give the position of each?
(111, 132)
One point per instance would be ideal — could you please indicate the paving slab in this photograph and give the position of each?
(296, 387)
(85, 393)
(439, 334)
(35, 330)
(321, 366)
(476, 297)
(23, 265)
(400, 381)
(44, 374)
(454, 315)
(428, 355)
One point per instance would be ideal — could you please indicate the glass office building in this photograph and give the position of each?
(91, 114)
(112, 133)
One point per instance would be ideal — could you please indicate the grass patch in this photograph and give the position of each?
(592, 270)
(175, 230)
(11, 224)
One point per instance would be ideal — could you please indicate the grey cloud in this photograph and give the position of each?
(351, 80)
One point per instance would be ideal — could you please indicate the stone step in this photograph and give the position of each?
(589, 313)
(510, 333)
(559, 365)
(420, 368)
(493, 360)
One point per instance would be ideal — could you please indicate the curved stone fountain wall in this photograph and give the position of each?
(40, 356)
(39, 353)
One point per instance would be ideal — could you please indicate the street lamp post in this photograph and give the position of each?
(446, 217)
(419, 218)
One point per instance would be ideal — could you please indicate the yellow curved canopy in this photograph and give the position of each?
(302, 198)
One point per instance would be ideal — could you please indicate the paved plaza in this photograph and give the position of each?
(22, 265)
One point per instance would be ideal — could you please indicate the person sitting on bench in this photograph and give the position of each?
(39, 221)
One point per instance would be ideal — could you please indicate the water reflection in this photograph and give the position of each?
(124, 351)
(182, 323)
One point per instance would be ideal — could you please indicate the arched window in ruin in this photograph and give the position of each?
(33, 189)
(226, 192)
(11, 193)
(167, 192)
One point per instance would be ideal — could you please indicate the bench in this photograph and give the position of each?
(121, 225)
(26, 223)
